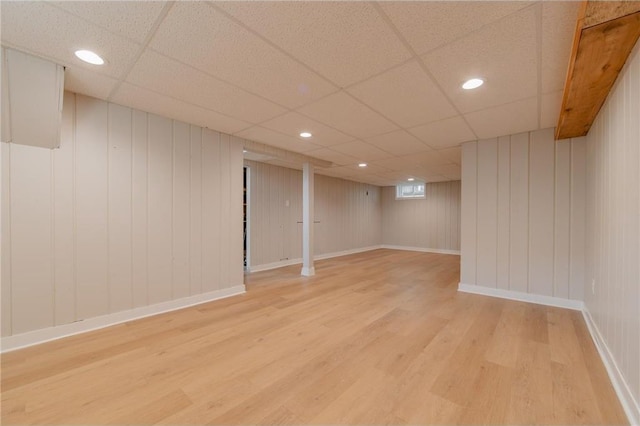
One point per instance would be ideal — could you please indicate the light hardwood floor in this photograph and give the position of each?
(376, 338)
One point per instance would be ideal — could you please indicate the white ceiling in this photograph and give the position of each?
(374, 82)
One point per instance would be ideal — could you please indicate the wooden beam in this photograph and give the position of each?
(599, 12)
(601, 46)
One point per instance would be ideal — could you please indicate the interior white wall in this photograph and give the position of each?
(523, 214)
(612, 284)
(348, 215)
(132, 210)
(432, 223)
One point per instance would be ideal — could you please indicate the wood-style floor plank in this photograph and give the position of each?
(381, 337)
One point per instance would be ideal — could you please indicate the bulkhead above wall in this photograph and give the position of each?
(32, 92)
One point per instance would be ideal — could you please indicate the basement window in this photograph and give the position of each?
(410, 191)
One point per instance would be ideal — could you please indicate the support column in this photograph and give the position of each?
(308, 269)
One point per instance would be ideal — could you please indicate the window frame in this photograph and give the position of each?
(413, 185)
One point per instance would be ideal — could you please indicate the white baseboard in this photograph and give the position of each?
(289, 262)
(576, 305)
(629, 404)
(18, 341)
(274, 265)
(420, 249)
(345, 252)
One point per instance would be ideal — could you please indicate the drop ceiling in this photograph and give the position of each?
(374, 82)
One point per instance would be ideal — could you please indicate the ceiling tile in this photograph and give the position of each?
(405, 95)
(146, 100)
(293, 124)
(426, 159)
(361, 150)
(503, 53)
(197, 34)
(508, 119)
(406, 162)
(396, 177)
(349, 116)
(396, 163)
(379, 181)
(437, 178)
(337, 171)
(269, 137)
(370, 169)
(443, 169)
(558, 27)
(453, 155)
(550, 109)
(399, 142)
(333, 156)
(131, 19)
(454, 176)
(45, 30)
(344, 41)
(159, 73)
(80, 80)
(427, 25)
(445, 133)
(352, 175)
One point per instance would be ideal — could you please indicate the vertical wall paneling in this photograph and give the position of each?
(160, 208)
(117, 217)
(195, 210)
(612, 237)
(487, 202)
(211, 210)
(31, 238)
(503, 210)
(5, 114)
(577, 221)
(225, 207)
(631, 231)
(349, 214)
(91, 171)
(5, 232)
(235, 276)
(633, 110)
(63, 220)
(527, 225)
(519, 213)
(434, 209)
(140, 207)
(456, 201)
(562, 228)
(181, 209)
(541, 212)
(468, 222)
(119, 206)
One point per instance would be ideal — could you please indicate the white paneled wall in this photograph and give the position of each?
(132, 210)
(612, 285)
(523, 218)
(348, 214)
(275, 207)
(432, 223)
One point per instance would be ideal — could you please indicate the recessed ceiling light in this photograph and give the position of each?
(244, 150)
(473, 83)
(362, 165)
(305, 135)
(90, 57)
(411, 179)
